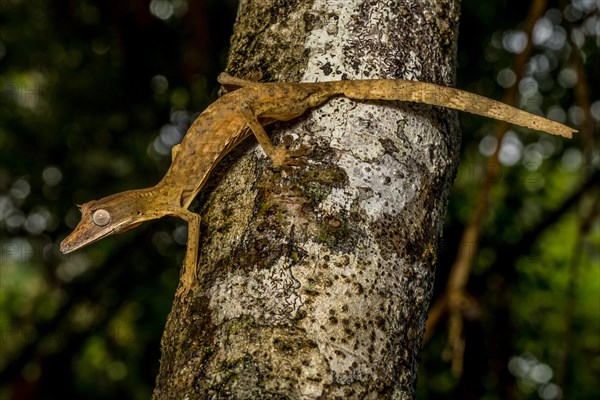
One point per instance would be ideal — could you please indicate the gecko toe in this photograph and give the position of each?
(283, 158)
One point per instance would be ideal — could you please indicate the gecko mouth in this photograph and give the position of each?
(75, 240)
(68, 245)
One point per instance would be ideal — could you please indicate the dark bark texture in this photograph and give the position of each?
(315, 282)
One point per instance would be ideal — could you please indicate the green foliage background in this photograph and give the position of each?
(92, 96)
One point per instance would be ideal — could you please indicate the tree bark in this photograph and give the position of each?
(315, 283)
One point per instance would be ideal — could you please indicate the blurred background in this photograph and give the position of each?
(94, 94)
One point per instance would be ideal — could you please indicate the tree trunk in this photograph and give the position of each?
(315, 283)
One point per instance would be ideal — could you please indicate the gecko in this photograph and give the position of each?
(244, 111)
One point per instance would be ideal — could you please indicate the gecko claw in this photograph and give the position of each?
(284, 158)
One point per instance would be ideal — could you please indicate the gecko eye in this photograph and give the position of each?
(101, 217)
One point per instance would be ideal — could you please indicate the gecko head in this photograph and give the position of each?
(108, 216)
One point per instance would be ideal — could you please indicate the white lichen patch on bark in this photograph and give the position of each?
(413, 66)
(372, 185)
(330, 39)
(268, 295)
(345, 319)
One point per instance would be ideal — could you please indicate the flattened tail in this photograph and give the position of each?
(443, 96)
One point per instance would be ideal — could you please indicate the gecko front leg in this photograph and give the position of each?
(279, 155)
(189, 278)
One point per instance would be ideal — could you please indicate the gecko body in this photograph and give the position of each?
(243, 112)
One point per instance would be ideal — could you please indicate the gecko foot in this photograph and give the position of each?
(284, 158)
(188, 282)
(184, 290)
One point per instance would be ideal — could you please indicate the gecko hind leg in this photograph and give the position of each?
(231, 83)
(279, 155)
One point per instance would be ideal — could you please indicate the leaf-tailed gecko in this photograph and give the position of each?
(242, 112)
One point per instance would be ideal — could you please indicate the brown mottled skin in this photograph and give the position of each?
(236, 115)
